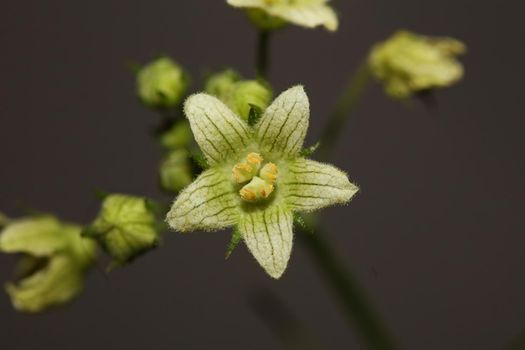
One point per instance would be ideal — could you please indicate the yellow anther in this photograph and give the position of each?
(269, 173)
(254, 158)
(247, 194)
(266, 191)
(243, 172)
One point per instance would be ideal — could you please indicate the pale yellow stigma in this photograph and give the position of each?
(269, 173)
(257, 189)
(261, 183)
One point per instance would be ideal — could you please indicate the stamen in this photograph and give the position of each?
(269, 173)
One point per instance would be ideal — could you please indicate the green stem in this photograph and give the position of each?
(347, 103)
(353, 299)
(263, 43)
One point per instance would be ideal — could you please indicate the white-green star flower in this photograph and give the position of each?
(305, 13)
(407, 63)
(257, 178)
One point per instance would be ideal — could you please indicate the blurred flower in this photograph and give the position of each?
(408, 63)
(246, 94)
(178, 136)
(270, 14)
(162, 83)
(175, 171)
(220, 84)
(125, 227)
(257, 178)
(239, 95)
(55, 259)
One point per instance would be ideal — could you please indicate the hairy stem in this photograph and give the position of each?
(353, 299)
(348, 101)
(263, 51)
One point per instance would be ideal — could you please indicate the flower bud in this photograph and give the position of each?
(239, 95)
(125, 227)
(221, 84)
(161, 84)
(248, 93)
(178, 136)
(55, 259)
(408, 63)
(175, 171)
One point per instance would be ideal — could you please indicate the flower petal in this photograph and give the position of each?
(308, 185)
(306, 13)
(209, 203)
(283, 126)
(40, 236)
(58, 283)
(218, 131)
(268, 235)
(309, 16)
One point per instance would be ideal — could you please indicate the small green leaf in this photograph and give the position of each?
(254, 115)
(307, 152)
(4, 220)
(199, 160)
(100, 194)
(301, 223)
(234, 242)
(133, 67)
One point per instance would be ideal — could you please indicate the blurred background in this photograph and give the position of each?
(435, 235)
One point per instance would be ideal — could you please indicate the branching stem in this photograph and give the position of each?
(345, 106)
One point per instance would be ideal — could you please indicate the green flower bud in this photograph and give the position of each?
(55, 259)
(239, 95)
(175, 171)
(162, 83)
(247, 93)
(221, 84)
(125, 227)
(408, 63)
(178, 136)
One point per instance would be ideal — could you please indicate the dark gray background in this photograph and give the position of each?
(436, 234)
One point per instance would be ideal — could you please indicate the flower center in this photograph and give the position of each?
(259, 178)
